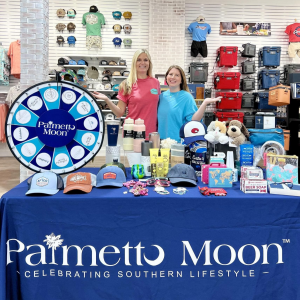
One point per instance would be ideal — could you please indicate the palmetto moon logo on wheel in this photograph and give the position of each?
(51, 95)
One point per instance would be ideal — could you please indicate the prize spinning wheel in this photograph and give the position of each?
(54, 126)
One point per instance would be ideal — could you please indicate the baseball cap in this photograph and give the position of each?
(103, 62)
(79, 181)
(47, 183)
(193, 131)
(93, 8)
(117, 41)
(71, 13)
(60, 26)
(61, 12)
(62, 61)
(182, 173)
(200, 19)
(127, 15)
(127, 42)
(117, 15)
(82, 62)
(111, 176)
(71, 26)
(115, 163)
(117, 28)
(127, 28)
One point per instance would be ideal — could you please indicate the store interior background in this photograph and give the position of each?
(157, 25)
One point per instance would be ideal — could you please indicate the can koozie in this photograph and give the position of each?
(137, 171)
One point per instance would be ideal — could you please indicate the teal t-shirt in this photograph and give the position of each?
(174, 110)
(93, 22)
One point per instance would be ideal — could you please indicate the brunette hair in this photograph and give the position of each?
(183, 84)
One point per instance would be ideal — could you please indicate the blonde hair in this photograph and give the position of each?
(183, 84)
(126, 85)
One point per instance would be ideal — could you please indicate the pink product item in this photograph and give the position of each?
(205, 170)
(142, 102)
(139, 134)
(242, 181)
(255, 186)
(244, 169)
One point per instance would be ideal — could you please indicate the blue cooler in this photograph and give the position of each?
(263, 102)
(269, 56)
(268, 78)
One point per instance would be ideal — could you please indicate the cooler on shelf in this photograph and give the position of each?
(227, 56)
(248, 67)
(227, 80)
(198, 72)
(269, 56)
(249, 50)
(229, 116)
(264, 120)
(291, 70)
(247, 84)
(268, 78)
(263, 101)
(279, 95)
(229, 100)
(248, 100)
(249, 120)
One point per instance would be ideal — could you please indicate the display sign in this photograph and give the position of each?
(55, 127)
(245, 28)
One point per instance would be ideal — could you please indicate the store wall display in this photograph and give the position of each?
(199, 29)
(245, 28)
(55, 127)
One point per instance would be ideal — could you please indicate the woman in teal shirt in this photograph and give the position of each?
(177, 106)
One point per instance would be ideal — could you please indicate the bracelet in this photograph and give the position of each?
(180, 190)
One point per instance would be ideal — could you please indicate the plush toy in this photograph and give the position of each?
(216, 133)
(237, 131)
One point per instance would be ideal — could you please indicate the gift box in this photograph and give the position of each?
(220, 177)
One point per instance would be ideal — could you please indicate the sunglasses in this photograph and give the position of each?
(158, 182)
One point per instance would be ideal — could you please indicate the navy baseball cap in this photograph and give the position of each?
(47, 183)
(182, 173)
(193, 131)
(110, 176)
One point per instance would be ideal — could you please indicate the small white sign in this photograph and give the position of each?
(90, 123)
(83, 108)
(77, 152)
(35, 103)
(23, 116)
(51, 95)
(61, 160)
(88, 139)
(21, 134)
(68, 97)
(28, 149)
(43, 159)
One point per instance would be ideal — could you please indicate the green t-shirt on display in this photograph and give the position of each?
(93, 22)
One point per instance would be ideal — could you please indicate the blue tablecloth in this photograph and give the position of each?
(110, 245)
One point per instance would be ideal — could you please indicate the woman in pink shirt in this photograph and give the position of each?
(139, 92)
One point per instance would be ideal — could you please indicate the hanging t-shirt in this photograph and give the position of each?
(293, 31)
(4, 67)
(14, 53)
(142, 102)
(174, 110)
(93, 22)
(199, 31)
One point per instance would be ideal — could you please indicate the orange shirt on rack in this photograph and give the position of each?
(14, 52)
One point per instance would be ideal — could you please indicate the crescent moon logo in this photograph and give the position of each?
(195, 130)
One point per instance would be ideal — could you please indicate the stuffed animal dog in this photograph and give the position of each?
(237, 131)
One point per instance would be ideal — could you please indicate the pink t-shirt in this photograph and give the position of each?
(142, 102)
